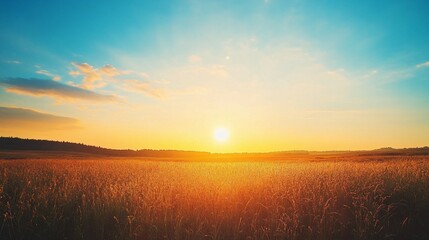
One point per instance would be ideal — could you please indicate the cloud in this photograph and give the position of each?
(110, 70)
(151, 90)
(144, 87)
(49, 74)
(49, 88)
(108, 74)
(92, 77)
(129, 80)
(13, 62)
(425, 64)
(95, 77)
(19, 118)
(74, 73)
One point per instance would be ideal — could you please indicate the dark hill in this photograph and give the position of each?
(403, 151)
(17, 144)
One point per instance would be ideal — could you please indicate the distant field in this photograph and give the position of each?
(336, 197)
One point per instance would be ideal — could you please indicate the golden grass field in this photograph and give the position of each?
(117, 198)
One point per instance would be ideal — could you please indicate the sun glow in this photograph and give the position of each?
(221, 134)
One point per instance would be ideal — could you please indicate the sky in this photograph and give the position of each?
(277, 75)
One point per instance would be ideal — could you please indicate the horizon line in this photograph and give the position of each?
(197, 151)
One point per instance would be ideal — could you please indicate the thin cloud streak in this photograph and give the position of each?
(13, 117)
(425, 64)
(108, 74)
(13, 61)
(145, 88)
(50, 88)
(49, 74)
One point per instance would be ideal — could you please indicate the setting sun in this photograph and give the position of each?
(221, 134)
(214, 119)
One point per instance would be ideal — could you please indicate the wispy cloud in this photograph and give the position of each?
(49, 88)
(12, 117)
(425, 64)
(49, 74)
(96, 77)
(92, 77)
(145, 88)
(127, 80)
(13, 61)
(111, 71)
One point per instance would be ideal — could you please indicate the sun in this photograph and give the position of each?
(221, 134)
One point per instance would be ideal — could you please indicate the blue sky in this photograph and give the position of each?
(362, 30)
(267, 57)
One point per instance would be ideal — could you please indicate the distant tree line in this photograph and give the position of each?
(403, 151)
(14, 143)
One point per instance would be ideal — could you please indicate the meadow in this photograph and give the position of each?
(118, 198)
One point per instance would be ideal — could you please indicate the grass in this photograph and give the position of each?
(137, 199)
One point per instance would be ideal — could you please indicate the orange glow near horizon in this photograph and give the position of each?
(168, 78)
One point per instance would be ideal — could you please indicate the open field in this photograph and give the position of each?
(116, 198)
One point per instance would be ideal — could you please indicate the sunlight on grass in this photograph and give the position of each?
(132, 199)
